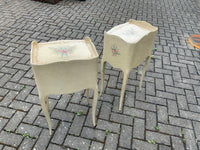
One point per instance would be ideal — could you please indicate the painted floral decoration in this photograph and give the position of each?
(63, 51)
(115, 51)
(129, 32)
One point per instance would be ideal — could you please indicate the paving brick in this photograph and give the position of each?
(129, 99)
(77, 124)
(162, 114)
(62, 103)
(156, 100)
(150, 120)
(114, 92)
(175, 90)
(29, 74)
(112, 82)
(160, 84)
(27, 144)
(22, 67)
(158, 63)
(180, 122)
(177, 143)
(163, 147)
(158, 138)
(169, 129)
(4, 79)
(96, 146)
(88, 121)
(31, 130)
(24, 93)
(143, 145)
(43, 140)
(139, 128)
(166, 95)
(93, 134)
(190, 115)
(122, 119)
(155, 75)
(27, 81)
(105, 111)
(19, 105)
(76, 108)
(145, 106)
(196, 129)
(183, 85)
(13, 86)
(194, 108)
(3, 92)
(77, 142)
(60, 133)
(53, 147)
(150, 88)
(62, 115)
(105, 125)
(9, 148)
(6, 112)
(107, 98)
(15, 120)
(32, 114)
(33, 99)
(191, 81)
(182, 102)
(177, 76)
(140, 95)
(169, 80)
(42, 122)
(115, 106)
(125, 136)
(8, 99)
(190, 139)
(3, 122)
(10, 139)
(111, 141)
(196, 90)
(134, 112)
(191, 97)
(76, 98)
(172, 108)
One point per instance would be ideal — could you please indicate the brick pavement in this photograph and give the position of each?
(164, 116)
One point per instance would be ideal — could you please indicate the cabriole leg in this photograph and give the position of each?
(125, 78)
(102, 75)
(87, 92)
(144, 70)
(45, 107)
(94, 104)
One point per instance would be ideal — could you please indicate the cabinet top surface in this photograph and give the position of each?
(130, 33)
(64, 50)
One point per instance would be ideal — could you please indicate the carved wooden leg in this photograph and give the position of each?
(144, 70)
(47, 102)
(87, 91)
(94, 104)
(125, 78)
(45, 111)
(102, 75)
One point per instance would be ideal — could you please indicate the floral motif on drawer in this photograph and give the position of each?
(63, 51)
(115, 51)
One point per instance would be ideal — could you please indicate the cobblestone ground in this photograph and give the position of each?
(166, 111)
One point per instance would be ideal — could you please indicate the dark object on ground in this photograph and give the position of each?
(49, 1)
